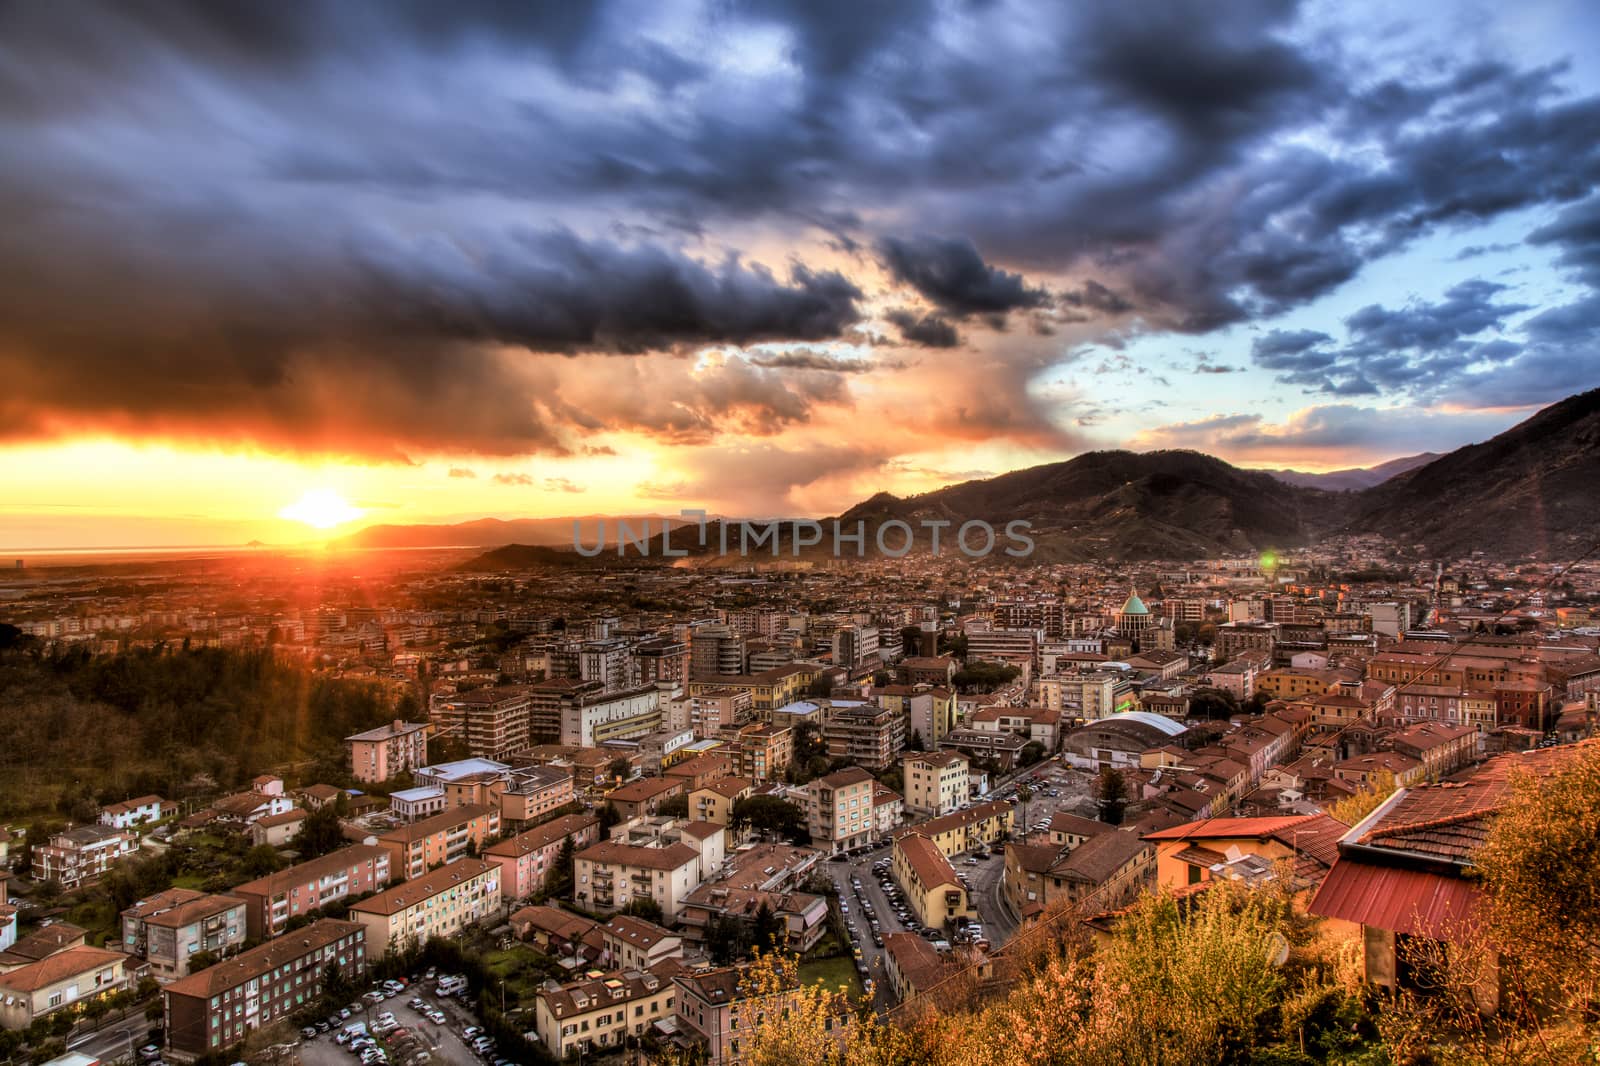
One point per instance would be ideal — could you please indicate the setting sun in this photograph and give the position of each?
(322, 509)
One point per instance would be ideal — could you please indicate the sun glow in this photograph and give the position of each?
(321, 509)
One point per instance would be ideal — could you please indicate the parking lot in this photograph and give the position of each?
(444, 1043)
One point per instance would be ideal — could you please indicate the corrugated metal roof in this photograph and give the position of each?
(1400, 900)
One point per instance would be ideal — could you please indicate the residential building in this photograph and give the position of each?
(932, 891)
(272, 900)
(1245, 848)
(719, 1009)
(980, 824)
(172, 926)
(277, 830)
(135, 812)
(645, 796)
(999, 751)
(935, 783)
(220, 1006)
(492, 721)
(60, 981)
(867, 736)
(714, 802)
(765, 751)
(839, 809)
(526, 859)
(533, 792)
(441, 903)
(80, 856)
(635, 944)
(388, 751)
(597, 1014)
(610, 874)
(417, 848)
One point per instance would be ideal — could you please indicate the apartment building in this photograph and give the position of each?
(866, 735)
(769, 689)
(935, 782)
(390, 750)
(713, 710)
(416, 848)
(60, 981)
(714, 801)
(607, 661)
(526, 859)
(171, 927)
(272, 900)
(839, 810)
(661, 661)
(220, 1006)
(765, 751)
(982, 823)
(930, 713)
(1020, 646)
(440, 903)
(590, 716)
(80, 856)
(932, 890)
(493, 722)
(663, 859)
(598, 1014)
(533, 792)
(1234, 638)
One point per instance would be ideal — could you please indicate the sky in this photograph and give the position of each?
(435, 261)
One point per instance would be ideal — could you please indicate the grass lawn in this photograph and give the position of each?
(832, 973)
(522, 969)
(196, 881)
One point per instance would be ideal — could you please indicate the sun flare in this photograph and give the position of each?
(321, 509)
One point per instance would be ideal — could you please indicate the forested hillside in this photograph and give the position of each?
(79, 727)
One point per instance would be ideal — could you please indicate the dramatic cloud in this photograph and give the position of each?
(929, 331)
(380, 229)
(951, 273)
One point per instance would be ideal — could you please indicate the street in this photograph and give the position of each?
(116, 1042)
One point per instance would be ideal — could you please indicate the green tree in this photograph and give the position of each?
(911, 639)
(674, 806)
(320, 833)
(620, 769)
(768, 929)
(1031, 753)
(260, 860)
(770, 814)
(1213, 703)
(646, 908)
(1110, 795)
(558, 882)
(609, 817)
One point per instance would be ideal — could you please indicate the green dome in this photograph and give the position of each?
(1134, 605)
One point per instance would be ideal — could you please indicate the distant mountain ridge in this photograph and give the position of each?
(1530, 490)
(1356, 478)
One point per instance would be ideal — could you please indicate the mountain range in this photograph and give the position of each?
(1356, 478)
(1530, 491)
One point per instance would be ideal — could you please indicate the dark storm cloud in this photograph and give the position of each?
(322, 224)
(929, 331)
(950, 273)
(808, 359)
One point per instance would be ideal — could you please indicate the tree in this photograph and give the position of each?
(674, 806)
(1031, 753)
(1353, 808)
(768, 929)
(1024, 794)
(915, 743)
(319, 834)
(609, 816)
(646, 908)
(724, 935)
(984, 676)
(1110, 795)
(558, 882)
(911, 640)
(201, 960)
(620, 769)
(1213, 704)
(260, 860)
(770, 814)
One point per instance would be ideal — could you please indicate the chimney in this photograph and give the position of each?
(398, 725)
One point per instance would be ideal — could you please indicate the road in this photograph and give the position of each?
(116, 1042)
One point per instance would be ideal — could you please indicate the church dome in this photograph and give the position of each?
(1134, 605)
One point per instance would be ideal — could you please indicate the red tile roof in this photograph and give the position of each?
(1400, 900)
